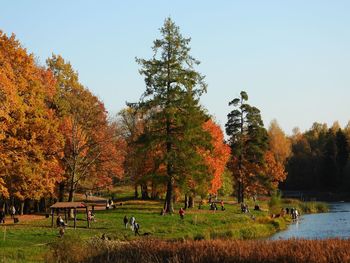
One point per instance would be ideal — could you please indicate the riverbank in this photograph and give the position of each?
(29, 241)
(333, 224)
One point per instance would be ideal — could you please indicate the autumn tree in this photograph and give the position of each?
(141, 164)
(248, 142)
(274, 172)
(276, 156)
(29, 139)
(279, 143)
(216, 158)
(131, 126)
(171, 101)
(93, 151)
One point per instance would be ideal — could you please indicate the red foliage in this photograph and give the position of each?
(217, 158)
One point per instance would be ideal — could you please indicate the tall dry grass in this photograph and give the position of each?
(331, 250)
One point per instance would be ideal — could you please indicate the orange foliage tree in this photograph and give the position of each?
(279, 143)
(29, 139)
(217, 158)
(274, 170)
(142, 164)
(94, 150)
(275, 158)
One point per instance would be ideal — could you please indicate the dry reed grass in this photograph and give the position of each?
(147, 250)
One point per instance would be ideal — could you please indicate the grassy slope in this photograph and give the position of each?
(28, 241)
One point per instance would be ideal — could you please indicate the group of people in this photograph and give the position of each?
(213, 204)
(214, 207)
(244, 208)
(61, 225)
(60, 222)
(110, 204)
(12, 212)
(134, 226)
(293, 212)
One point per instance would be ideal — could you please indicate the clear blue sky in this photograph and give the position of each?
(292, 57)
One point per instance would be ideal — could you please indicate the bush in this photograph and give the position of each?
(313, 207)
(247, 233)
(279, 224)
(202, 236)
(222, 235)
(70, 248)
(322, 207)
(275, 200)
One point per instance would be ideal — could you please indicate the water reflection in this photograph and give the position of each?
(334, 224)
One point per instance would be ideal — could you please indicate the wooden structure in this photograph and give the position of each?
(96, 203)
(66, 207)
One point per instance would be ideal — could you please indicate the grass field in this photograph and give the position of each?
(29, 241)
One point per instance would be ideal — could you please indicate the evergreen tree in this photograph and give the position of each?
(330, 179)
(342, 153)
(248, 141)
(174, 117)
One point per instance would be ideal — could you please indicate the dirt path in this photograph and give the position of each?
(23, 218)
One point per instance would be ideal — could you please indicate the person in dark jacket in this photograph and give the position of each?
(2, 216)
(126, 220)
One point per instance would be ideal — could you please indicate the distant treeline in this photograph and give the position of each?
(319, 160)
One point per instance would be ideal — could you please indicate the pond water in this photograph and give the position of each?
(334, 224)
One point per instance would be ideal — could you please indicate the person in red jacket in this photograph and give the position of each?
(181, 213)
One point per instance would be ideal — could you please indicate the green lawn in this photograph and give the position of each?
(29, 241)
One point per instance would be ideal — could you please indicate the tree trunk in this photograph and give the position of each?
(154, 192)
(136, 193)
(27, 206)
(21, 208)
(190, 201)
(71, 194)
(168, 205)
(61, 192)
(242, 197)
(144, 192)
(186, 201)
(42, 205)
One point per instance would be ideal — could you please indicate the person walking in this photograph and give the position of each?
(136, 228)
(222, 205)
(296, 214)
(132, 222)
(126, 220)
(2, 216)
(12, 211)
(182, 213)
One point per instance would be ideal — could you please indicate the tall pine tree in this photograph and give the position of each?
(174, 116)
(248, 141)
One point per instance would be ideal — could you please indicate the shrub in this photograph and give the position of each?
(202, 236)
(228, 234)
(322, 207)
(70, 248)
(247, 233)
(313, 207)
(275, 200)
